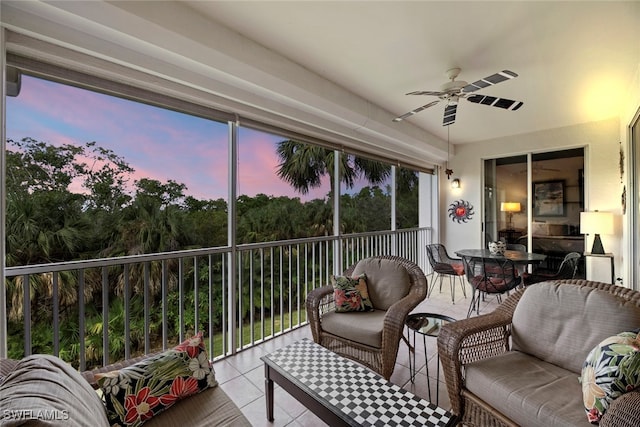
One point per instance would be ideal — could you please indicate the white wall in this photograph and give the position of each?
(602, 179)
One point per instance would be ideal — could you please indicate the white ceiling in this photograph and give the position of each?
(575, 59)
(339, 70)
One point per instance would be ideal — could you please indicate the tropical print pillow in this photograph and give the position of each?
(351, 293)
(611, 369)
(138, 392)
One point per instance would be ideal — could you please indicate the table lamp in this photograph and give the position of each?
(510, 208)
(596, 223)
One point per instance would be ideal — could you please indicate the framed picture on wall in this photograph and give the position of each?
(548, 198)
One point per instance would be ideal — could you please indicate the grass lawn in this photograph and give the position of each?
(280, 323)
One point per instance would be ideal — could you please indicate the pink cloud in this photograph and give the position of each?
(159, 144)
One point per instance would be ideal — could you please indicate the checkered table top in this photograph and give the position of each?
(359, 396)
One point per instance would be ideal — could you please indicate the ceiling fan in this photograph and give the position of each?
(455, 90)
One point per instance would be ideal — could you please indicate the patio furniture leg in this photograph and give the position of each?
(268, 382)
(452, 285)
(434, 277)
(475, 303)
(464, 291)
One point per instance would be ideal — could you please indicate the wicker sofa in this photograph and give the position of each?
(396, 286)
(44, 390)
(520, 365)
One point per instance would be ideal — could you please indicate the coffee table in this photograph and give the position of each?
(344, 393)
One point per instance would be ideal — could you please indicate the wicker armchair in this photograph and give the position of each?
(382, 356)
(474, 339)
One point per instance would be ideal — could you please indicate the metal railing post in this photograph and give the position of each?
(232, 322)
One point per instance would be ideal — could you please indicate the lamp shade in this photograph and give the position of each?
(510, 207)
(596, 222)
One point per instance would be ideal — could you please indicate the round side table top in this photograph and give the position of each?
(427, 323)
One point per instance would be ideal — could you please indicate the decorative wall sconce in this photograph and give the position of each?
(455, 183)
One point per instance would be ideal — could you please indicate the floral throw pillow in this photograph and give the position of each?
(138, 392)
(611, 369)
(351, 294)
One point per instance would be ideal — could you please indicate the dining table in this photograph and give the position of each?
(520, 258)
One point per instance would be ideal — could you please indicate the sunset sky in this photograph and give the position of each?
(159, 144)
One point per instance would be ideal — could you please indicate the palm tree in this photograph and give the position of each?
(303, 166)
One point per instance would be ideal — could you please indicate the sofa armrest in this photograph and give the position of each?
(623, 411)
(318, 302)
(469, 340)
(7, 366)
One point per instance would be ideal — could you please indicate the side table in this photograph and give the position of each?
(425, 324)
(593, 272)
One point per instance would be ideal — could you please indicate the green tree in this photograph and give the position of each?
(303, 166)
(406, 198)
(206, 222)
(266, 218)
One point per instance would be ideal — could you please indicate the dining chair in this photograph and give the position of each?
(567, 270)
(490, 275)
(444, 265)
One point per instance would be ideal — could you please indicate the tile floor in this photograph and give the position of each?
(242, 376)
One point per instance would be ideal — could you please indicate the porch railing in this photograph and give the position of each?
(95, 312)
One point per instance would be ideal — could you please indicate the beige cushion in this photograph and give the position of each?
(363, 327)
(42, 387)
(561, 323)
(211, 407)
(387, 281)
(527, 390)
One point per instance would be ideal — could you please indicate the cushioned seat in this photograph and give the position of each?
(365, 328)
(211, 407)
(520, 389)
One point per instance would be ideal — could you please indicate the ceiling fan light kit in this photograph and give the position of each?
(454, 90)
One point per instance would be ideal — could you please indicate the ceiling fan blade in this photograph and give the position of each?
(449, 114)
(417, 110)
(426, 92)
(507, 104)
(491, 80)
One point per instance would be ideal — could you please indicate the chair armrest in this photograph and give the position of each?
(396, 316)
(469, 340)
(394, 321)
(318, 302)
(623, 411)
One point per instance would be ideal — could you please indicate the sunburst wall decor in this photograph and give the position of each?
(460, 211)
